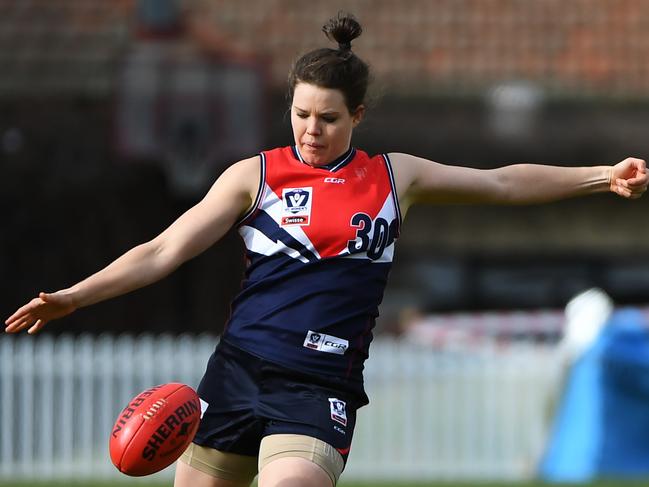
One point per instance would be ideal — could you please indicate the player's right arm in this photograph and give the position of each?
(192, 233)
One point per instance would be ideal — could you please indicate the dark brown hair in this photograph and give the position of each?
(338, 68)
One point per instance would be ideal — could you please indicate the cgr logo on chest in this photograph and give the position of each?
(334, 180)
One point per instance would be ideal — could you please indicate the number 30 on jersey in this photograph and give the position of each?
(372, 236)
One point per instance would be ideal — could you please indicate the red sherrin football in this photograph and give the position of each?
(154, 429)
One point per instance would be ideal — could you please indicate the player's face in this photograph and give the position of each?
(322, 124)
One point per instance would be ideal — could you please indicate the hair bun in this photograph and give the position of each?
(343, 29)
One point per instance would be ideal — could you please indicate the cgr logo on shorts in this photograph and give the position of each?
(338, 410)
(325, 343)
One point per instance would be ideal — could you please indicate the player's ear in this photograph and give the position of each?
(358, 115)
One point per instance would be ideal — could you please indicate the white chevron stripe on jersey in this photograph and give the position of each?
(259, 243)
(273, 205)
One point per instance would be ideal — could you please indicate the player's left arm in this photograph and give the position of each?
(421, 180)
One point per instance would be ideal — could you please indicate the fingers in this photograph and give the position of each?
(640, 165)
(639, 178)
(636, 162)
(37, 327)
(620, 188)
(30, 321)
(25, 316)
(627, 190)
(632, 179)
(23, 311)
(632, 169)
(39, 311)
(636, 185)
(638, 181)
(633, 162)
(14, 326)
(24, 322)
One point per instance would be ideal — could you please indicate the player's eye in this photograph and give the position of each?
(329, 118)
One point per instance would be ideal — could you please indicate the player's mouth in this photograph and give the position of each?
(313, 146)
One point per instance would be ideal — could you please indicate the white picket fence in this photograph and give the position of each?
(434, 414)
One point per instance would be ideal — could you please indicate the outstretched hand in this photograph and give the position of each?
(629, 178)
(35, 314)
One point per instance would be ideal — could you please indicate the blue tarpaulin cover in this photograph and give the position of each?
(601, 428)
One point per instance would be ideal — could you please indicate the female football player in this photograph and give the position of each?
(319, 220)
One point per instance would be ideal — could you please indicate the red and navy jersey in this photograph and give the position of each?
(319, 244)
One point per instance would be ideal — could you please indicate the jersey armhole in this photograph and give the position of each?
(395, 196)
(262, 179)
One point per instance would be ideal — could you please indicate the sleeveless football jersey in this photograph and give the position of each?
(319, 246)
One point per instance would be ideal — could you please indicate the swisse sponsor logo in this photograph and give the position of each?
(334, 180)
(295, 220)
(170, 435)
(325, 343)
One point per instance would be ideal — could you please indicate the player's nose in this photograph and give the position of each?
(312, 126)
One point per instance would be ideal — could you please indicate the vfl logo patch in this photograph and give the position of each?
(338, 410)
(325, 343)
(296, 204)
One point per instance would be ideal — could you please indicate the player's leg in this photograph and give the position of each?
(187, 476)
(291, 460)
(228, 393)
(206, 467)
(293, 472)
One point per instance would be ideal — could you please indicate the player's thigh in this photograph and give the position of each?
(200, 466)
(293, 472)
(188, 476)
(298, 460)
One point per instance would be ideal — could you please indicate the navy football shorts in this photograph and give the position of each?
(249, 398)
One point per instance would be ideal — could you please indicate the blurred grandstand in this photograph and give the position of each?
(116, 115)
